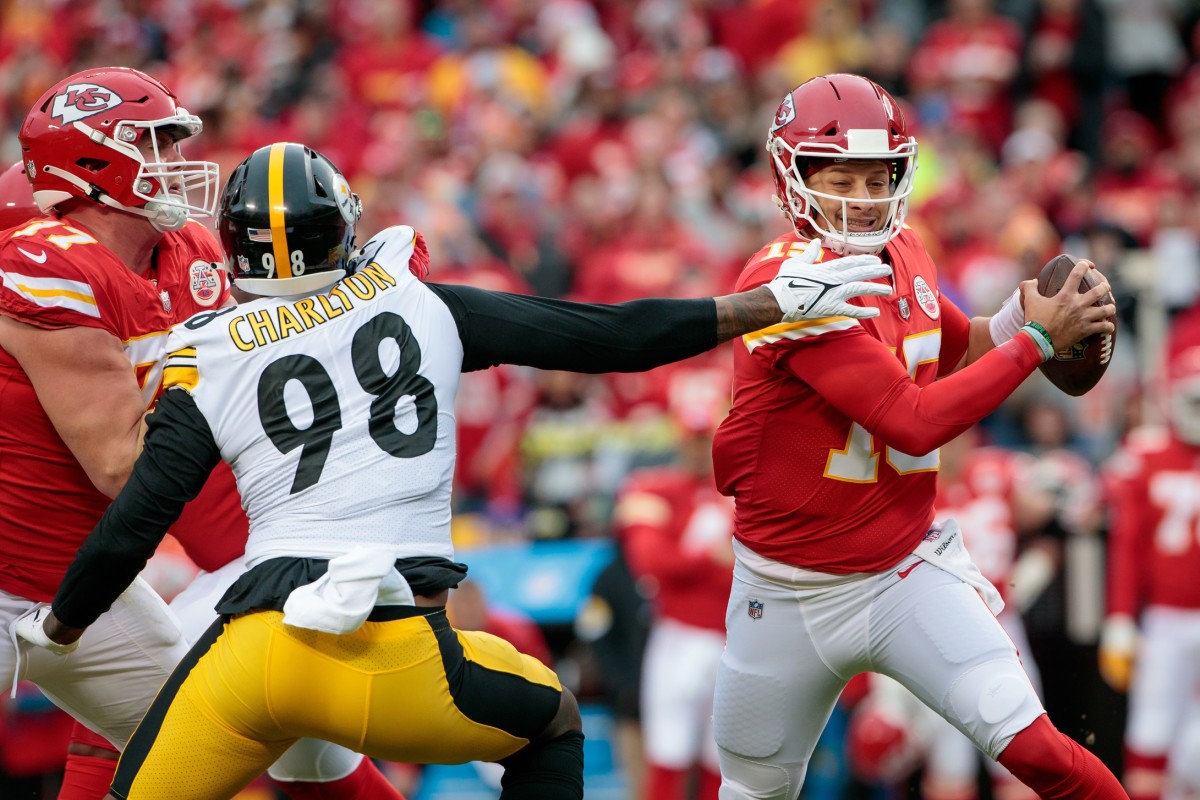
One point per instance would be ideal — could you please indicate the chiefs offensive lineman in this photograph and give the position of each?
(1153, 617)
(90, 289)
(830, 451)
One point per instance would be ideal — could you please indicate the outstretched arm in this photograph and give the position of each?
(501, 328)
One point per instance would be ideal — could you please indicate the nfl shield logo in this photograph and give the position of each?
(902, 307)
(755, 610)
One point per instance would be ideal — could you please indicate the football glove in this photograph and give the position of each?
(1118, 650)
(30, 627)
(806, 289)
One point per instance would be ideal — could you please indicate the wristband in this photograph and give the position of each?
(1005, 323)
(1042, 338)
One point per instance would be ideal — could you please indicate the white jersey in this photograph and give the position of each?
(306, 420)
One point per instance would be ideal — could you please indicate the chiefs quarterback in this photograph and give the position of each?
(830, 452)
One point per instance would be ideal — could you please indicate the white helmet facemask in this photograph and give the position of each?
(804, 210)
(174, 191)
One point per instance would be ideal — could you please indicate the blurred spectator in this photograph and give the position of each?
(833, 41)
(964, 68)
(559, 455)
(1064, 63)
(1146, 50)
(386, 54)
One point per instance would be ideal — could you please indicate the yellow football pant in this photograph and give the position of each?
(411, 690)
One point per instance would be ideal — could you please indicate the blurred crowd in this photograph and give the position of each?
(604, 150)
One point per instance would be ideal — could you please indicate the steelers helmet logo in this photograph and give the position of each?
(347, 202)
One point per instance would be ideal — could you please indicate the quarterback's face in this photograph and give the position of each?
(863, 185)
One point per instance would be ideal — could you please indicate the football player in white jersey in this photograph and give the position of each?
(330, 392)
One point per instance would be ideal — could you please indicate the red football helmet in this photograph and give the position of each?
(81, 140)
(16, 197)
(835, 118)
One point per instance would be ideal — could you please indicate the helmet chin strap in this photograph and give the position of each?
(163, 218)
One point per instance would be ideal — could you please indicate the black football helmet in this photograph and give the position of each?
(286, 220)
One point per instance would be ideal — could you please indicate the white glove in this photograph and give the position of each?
(29, 628)
(808, 290)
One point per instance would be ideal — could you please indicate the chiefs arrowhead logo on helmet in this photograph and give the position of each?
(80, 100)
(785, 113)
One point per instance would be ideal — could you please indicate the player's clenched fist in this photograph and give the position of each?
(809, 290)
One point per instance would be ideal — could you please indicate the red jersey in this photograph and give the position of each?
(54, 274)
(981, 500)
(671, 523)
(1154, 541)
(830, 448)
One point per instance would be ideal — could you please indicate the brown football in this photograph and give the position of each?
(1075, 368)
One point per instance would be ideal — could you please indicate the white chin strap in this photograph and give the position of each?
(162, 217)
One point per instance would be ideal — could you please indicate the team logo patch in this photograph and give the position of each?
(81, 100)
(347, 202)
(926, 299)
(902, 307)
(785, 113)
(1072, 352)
(205, 283)
(755, 609)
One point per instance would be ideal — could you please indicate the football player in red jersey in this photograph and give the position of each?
(1154, 599)
(88, 290)
(830, 452)
(676, 528)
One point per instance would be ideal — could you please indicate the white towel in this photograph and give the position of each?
(943, 547)
(341, 599)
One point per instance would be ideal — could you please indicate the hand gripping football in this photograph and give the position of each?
(1077, 367)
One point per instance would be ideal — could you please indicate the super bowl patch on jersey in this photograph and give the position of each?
(926, 299)
(205, 283)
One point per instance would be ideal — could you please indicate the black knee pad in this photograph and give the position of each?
(545, 770)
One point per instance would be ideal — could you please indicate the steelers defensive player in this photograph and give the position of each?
(330, 391)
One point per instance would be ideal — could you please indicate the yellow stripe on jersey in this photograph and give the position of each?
(283, 265)
(53, 292)
(797, 330)
(180, 370)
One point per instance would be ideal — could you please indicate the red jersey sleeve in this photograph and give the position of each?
(50, 276)
(859, 377)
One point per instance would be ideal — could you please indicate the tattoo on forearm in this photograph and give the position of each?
(745, 312)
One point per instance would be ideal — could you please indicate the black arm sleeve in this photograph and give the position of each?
(178, 455)
(501, 328)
